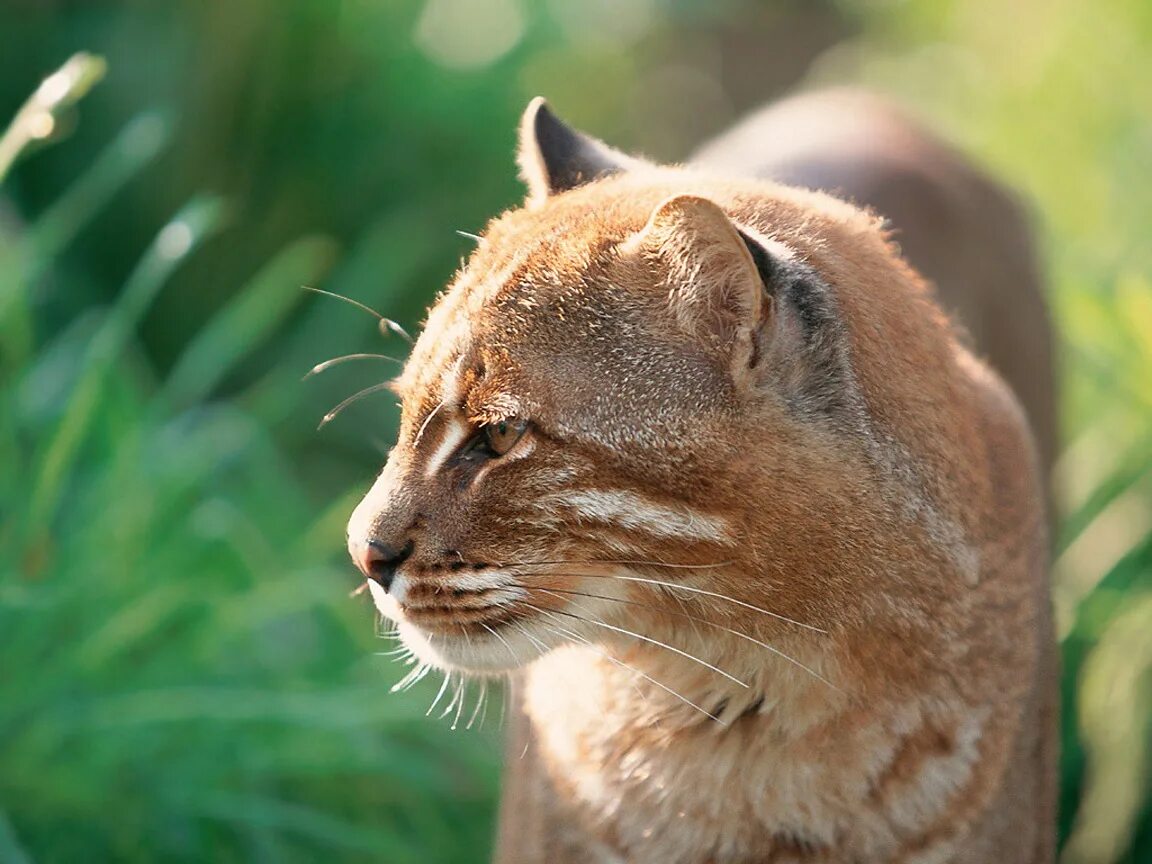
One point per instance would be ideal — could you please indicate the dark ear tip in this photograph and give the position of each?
(537, 109)
(542, 120)
(535, 105)
(554, 157)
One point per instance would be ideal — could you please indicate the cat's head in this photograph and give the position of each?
(596, 414)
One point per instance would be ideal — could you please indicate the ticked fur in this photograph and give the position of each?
(767, 565)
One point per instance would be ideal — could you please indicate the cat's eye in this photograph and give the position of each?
(502, 436)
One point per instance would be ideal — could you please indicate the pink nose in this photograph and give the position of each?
(378, 561)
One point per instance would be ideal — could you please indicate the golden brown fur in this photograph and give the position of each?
(768, 562)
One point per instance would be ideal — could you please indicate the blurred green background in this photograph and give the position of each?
(182, 674)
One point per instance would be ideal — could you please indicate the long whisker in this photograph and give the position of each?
(384, 628)
(389, 324)
(655, 642)
(397, 655)
(413, 676)
(460, 705)
(543, 649)
(439, 693)
(636, 562)
(557, 591)
(479, 702)
(427, 420)
(475, 238)
(452, 702)
(367, 309)
(702, 591)
(335, 361)
(367, 391)
(578, 638)
(515, 658)
(385, 323)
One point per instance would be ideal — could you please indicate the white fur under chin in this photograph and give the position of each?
(480, 654)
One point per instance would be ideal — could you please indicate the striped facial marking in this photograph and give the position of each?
(634, 512)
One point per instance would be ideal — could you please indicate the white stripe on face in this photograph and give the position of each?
(455, 430)
(456, 433)
(634, 512)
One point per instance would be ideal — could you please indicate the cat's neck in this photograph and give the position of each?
(797, 753)
(707, 684)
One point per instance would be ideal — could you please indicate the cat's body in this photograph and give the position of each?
(701, 459)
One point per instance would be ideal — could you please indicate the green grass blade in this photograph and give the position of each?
(1115, 704)
(24, 259)
(249, 320)
(36, 120)
(10, 850)
(138, 143)
(196, 221)
(15, 315)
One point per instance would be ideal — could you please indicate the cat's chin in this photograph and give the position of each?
(496, 649)
(503, 650)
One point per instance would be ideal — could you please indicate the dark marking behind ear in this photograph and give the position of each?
(765, 264)
(815, 371)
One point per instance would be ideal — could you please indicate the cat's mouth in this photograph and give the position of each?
(470, 616)
(479, 630)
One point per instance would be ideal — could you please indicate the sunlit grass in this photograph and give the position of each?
(182, 674)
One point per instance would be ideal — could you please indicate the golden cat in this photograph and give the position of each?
(698, 459)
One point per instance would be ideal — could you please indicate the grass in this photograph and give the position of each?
(184, 677)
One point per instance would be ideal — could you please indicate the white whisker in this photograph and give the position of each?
(701, 591)
(463, 693)
(657, 643)
(412, 678)
(576, 637)
(479, 702)
(712, 565)
(539, 645)
(336, 361)
(504, 642)
(439, 694)
(695, 618)
(367, 391)
(385, 323)
(427, 420)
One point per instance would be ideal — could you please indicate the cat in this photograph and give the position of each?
(696, 459)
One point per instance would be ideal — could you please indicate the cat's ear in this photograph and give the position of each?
(553, 157)
(714, 285)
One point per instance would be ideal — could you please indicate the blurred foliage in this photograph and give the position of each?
(181, 674)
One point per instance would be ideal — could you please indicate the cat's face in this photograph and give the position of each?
(614, 395)
(559, 416)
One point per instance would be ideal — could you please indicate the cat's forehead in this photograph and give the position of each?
(553, 294)
(529, 268)
(550, 313)
(547, 246)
